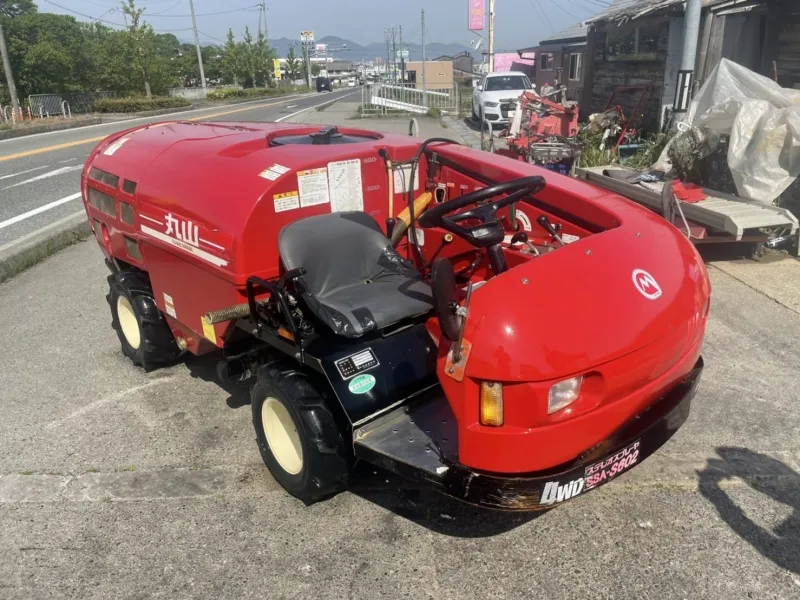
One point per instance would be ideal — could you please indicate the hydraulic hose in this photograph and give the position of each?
(412, 229)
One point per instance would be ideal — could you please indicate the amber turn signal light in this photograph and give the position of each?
(491, 404)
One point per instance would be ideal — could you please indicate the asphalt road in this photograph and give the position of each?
(119, 484)
(40, 174)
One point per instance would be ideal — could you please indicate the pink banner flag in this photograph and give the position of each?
(477, 14)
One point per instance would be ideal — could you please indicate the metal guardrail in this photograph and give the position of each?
(381, 98)
(48, 105)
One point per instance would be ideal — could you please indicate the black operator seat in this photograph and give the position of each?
(355, 282)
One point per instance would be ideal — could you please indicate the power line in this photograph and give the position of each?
(543, 16)
(211, 37)
(222, 12)
(164, 11)
(564, 10)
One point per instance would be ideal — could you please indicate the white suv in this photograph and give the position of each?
(496, 95)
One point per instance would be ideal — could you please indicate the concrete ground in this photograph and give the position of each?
(345, 114)
(119, 484)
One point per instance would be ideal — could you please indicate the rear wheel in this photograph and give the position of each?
(297, 434)
(143, 333)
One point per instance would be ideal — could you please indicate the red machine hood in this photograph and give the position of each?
(586, 304)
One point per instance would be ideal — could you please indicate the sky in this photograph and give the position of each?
(518, 23)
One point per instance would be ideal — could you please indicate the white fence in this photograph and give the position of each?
(378, 98)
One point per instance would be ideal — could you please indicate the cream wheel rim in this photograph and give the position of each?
(282, 436)
(128, 322)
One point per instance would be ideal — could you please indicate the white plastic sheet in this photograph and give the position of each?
(763, 122)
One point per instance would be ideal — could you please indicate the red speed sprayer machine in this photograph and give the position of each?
(386, 305)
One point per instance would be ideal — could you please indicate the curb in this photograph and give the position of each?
(15, 133)
(33, 248)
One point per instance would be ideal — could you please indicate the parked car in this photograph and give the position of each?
(351, 82)
(323, 83)
(495, 97)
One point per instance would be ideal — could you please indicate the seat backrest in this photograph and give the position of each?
(337, 249)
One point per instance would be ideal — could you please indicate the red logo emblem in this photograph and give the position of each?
(646, 284)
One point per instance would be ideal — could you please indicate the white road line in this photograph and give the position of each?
(47, 175)
(61, 162)
(329, 101)
(168, 117)
(292, 106)
(23, 172)
(36, 211)
(108, 399)
(33, 234)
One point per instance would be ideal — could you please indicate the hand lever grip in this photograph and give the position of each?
(545, 223)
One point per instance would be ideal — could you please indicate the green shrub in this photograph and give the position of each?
(234, 93)
(139, 104)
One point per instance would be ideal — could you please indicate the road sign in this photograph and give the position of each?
(402, 54)
(276, 66)
(307, 37)
(477, 14)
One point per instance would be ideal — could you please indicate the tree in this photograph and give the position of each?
(15, 8)
(140, 41)
(231, 66)
(263, 56)
(292, 65)
(249, 59)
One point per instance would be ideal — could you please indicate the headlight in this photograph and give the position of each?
(564, 393)
(491, 104)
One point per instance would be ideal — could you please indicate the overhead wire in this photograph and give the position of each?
(543, 16)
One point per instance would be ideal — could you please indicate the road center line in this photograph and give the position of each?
(102, 137)
(39, 210)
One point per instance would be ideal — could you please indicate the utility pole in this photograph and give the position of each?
(691, 30)
(394, 53)
(197, 46)
(12, 89)
(424, 79)
(264, 12)
(491, 36)
(402, 58)
(388, 52)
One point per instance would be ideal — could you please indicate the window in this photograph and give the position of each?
(637, 43)
(546, 61)
(575, 66)
(507, 82)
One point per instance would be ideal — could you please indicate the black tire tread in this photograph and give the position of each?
(158, 347)
(331, 461)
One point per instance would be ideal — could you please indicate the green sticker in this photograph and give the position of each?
(361, 384)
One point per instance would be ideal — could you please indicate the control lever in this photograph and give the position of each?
(545, 223)
(522, 237)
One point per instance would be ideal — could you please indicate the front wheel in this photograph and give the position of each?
(297, 434)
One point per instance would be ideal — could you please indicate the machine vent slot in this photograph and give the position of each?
(126, 212)
(132, 246)
(128, 186)
(102, 202)
(104, 177)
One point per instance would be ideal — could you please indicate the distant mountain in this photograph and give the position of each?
(357, 52)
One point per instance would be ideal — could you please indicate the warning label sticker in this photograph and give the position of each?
(402, 177)
(286, 201)
(169, 304)
(344, 179)
(115, 146)
(313, 186)
(273, 172)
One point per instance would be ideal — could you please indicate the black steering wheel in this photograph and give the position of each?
(490, 231)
